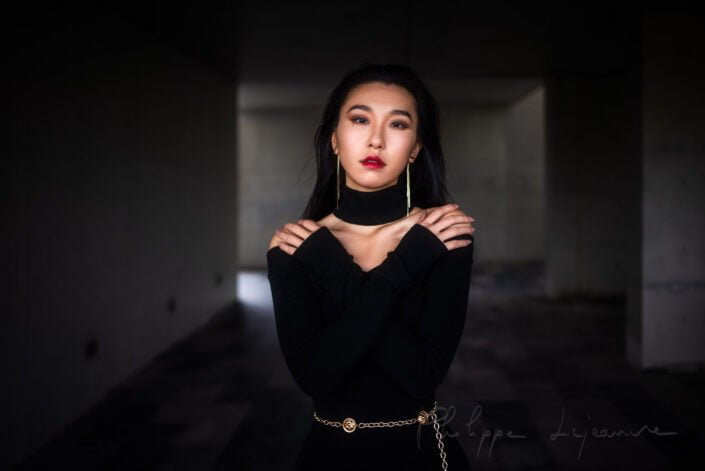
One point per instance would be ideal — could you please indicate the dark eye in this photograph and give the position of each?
(399, 125)
(359, 120)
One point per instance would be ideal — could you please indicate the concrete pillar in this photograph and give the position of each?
(666, 325)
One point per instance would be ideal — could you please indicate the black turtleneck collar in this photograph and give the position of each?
(371, 208)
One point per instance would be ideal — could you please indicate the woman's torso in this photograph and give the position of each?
(368, 393)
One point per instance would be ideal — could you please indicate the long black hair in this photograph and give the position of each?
(427, 174)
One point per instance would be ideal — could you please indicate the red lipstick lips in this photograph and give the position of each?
(372, 161)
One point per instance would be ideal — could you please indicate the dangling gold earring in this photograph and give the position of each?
(408, 190)
(337, 183)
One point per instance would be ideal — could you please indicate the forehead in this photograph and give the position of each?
(381, 97)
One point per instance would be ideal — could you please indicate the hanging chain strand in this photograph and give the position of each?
(441, 446)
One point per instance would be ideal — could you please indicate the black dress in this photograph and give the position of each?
(372, 345)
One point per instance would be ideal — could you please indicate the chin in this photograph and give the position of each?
(373, 182)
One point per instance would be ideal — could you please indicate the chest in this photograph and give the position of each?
(368, 251)
(369, 247)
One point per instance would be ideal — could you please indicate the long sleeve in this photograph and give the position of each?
(418, 357)
(319, 354)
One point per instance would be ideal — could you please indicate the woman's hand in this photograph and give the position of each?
(290, 236)
(447, 222)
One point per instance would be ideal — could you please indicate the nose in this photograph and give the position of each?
(376, 139)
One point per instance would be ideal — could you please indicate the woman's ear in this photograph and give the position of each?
(334, 142)
(417, 148)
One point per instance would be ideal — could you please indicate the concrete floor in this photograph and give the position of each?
(530, 378)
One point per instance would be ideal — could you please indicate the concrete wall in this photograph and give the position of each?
(277, 173)
(495, 163)
(120, 223)
(671, 291)
(526, 166)
(475, 147)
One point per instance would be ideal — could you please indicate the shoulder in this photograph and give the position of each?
(328, 221)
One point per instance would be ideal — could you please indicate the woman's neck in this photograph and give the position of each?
(371, 208)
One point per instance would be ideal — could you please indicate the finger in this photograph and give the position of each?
(275, 240)
(309, 224)
(458, 212)
(449, 219)
(289, 239)
(468, 219)
(455, 212)
(456, 244)
(296, 230)
(287, 248)
(451, 226)
(437, 213)
(464, 224)
(454, 232)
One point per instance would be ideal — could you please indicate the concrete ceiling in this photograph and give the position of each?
(474, 92)
(299, 48)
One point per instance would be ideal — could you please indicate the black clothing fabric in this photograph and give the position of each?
(371, 345)
(370, 208)
(397, 449)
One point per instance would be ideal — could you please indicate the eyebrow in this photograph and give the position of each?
(367, 108)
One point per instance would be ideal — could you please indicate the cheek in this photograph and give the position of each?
(401, 141)
(351, 136)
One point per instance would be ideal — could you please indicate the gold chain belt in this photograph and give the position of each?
(350, 425)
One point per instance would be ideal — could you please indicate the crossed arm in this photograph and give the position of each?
(320, 355)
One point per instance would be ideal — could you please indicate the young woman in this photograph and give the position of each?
(370, 287)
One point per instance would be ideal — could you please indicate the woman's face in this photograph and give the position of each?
(379, 120)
